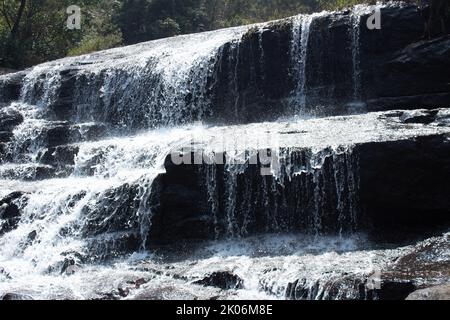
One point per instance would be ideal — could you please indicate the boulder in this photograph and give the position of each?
(9, 118)
(5, 274)
(413, 76)
(5, 136)
(419, 116)
(224, 280)
(59, 156)
(10, 86)
(433, 293)
(9, 212)
(61, 134)
(16, 297)
(419, 272)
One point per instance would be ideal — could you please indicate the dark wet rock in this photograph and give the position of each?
(422, 266)
(416, 71)
(120, 206)
(123, 292)
(42, 173)
(68, 266)
(110, 296)
(419, 116)
(224, 280)
(254, 79)
(5, 136)
(253, 76)
(3, 152)
(347, 288)
(29, 172)
(10, 86)
(258, 75)
(433, 293)
(426, 264)
(6, 71)
(180, 206)
(114, 225)
(140, 282)
(61, 134)
(9, 118)
(5, 274)
(391, 290)
(393, 189)
(10, 212)
(16, 297)
(32, 236)
(397, 190)
(63, 108)
(60, 156)
(430, 101)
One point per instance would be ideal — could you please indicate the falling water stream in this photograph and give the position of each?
(131, 108)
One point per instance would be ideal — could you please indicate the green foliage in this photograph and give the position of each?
(338, 4)
(99, 31)
(92, 43)
(37, 36)
(43, 35)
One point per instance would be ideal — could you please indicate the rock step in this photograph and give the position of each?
(252, 78)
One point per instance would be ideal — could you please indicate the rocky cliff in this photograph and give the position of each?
(148, 164)
(324, 64)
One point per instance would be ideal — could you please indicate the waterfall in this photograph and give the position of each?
(262, 57)
(355, 30)
(89, 198)
(300, 196)
(299, 54)
(111, 89)
(103, 204)
(356, 15)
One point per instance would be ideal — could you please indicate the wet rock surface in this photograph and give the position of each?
(376, 202)
(253, 78)
(223, 280)
(10, 86)
(9, 118)
(345, 208)
(425, 265)
(10, 212)
(433, 293)
(16, 297)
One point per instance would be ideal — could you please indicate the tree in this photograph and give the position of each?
(15, 27)
(35, 31)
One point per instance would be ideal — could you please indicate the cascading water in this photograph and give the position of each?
(300, 37)
(356, 15)
(177, 69)
(355, 37)
(82, 173)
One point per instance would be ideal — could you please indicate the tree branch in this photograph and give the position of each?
(15, 28)
(4, 12)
